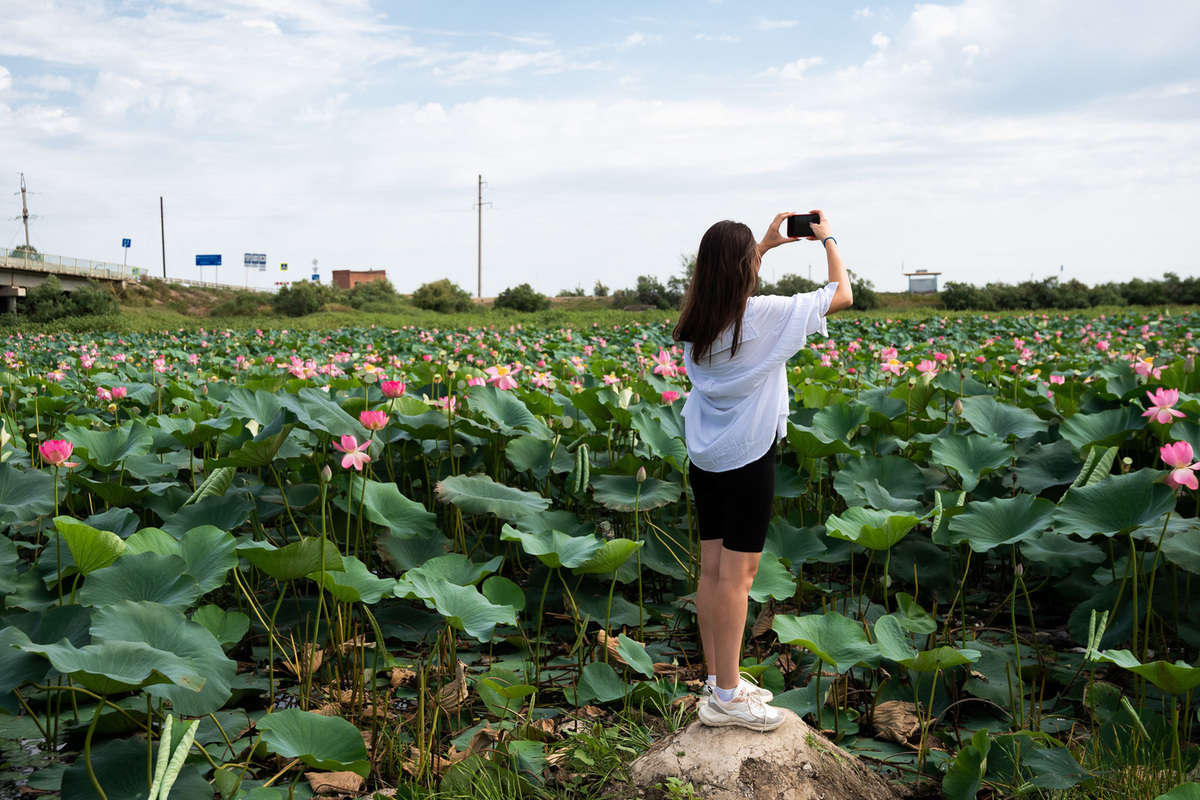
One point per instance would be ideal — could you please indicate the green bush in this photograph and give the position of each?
(49, 301)
(241, 304)
(576, 292)
(865, 296)
(444, 296)
(372, 293)
(790, 284)
(522, 298)
(599, 290)
(302, 297)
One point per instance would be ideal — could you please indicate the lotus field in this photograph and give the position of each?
(463, 562)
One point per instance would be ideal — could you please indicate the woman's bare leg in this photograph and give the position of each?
(721, 602)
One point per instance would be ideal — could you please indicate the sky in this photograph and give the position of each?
(985, 140)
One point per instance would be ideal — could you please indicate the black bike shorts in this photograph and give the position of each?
(736, 506)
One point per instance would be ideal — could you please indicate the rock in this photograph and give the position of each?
(793, 762)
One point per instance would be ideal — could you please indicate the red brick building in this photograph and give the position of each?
(349, 278)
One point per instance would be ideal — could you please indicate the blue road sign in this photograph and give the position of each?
(208, 261)
(316, 277)
(126, 243)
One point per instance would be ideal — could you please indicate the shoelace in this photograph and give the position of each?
(757, 707)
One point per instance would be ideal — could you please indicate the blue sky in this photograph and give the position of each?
(986, 140)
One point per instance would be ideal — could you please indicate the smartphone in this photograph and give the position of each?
(801, 224)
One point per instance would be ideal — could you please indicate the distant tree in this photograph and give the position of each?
(576, 292)
(443, 295)
(371, 293)
(302, 297)
(27, 252)
(48, 301)
(599, 290)
(522, 298)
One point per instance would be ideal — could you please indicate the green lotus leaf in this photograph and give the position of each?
(24, 494)
(553, 548)
(971, 457)
(624, 493)
(502, 690)
(811, 444)
(1055, 768)
(293, 561)
(120, 495)
(1104, 428)
(501, 591)
(869, 527)
(224, 513)
(325, 743)
(965, 775)
(193, 433)
(355, 583)
(120, 768)
(406, 552)
(912, 617)
(1061, 551)
(121, 521)
(1117, 504)
(840, 421)
(252, 454)
(466, 609)
(940, 658)
(894, 643)
(479, 494)
(317, 412)
(208, 552)
(1002, 520)
(598, 683)
(1184, 791)
(836, 640)
(533, 455)
(1183, 550)
(258, 406)
(797, 546)
(142, 576)
(1174, 679)
(104, 450)
(899, 477)
(609, 558)
(635, 655)
(167, 629)
(227, 627)
(1047, 465)
(664, 442)
(384, 504)
(507, 411)
(916, 396)
(453, 568)
(773, 580)
(114, 667)
(8, 566)
(1000, 420)
(90, 549)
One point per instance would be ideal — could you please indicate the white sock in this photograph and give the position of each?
(712, 678)
(724, 695)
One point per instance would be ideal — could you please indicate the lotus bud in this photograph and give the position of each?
(326, 474)
(641, 475)
(1189, 365)
(958, 409)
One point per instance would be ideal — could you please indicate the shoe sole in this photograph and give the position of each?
(728, 722)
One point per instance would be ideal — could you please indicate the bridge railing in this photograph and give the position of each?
(45, 262)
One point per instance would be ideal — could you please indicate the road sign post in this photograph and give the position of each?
(125, 260)
(208, 261)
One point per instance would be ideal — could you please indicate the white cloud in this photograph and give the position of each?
(795, 70)
(772, 24)
(880, 41)
(724, 38)
(53, 83)
(637, 39)
(5, 79)
(863, 13)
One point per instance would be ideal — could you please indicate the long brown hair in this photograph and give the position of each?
(726, 275)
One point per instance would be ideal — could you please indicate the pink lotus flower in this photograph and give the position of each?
(392, 388)
(356, 454)
(611, 378)
(543, 380)
(1058, 379)
(1178, 456)
(894, 366)
(669, 397)
(664, 364)
(927, 366)
(118, 392)
(1161, 403)
(502, 376)
(103, 394)
(448, 404)
(1145, 367)
(373, 420)
(57, 451)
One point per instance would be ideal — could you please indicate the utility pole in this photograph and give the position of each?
(25, 214)
(162, 226)
(479, 205)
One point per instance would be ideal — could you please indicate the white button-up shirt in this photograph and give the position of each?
(739, 406)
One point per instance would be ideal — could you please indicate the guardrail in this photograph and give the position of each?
(102, 270)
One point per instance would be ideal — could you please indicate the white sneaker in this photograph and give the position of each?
(765, 694)
(746, 710)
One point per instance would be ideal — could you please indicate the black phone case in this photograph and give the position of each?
(801, 224)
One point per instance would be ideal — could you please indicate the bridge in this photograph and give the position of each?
(21, 270)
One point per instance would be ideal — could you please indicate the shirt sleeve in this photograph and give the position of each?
(792, 319)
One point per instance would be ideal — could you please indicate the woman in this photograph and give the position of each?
(736, 347)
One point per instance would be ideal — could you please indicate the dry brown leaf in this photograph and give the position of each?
(785, 663)
(450, 697)
(345, 697)
(588, 712)
(334, 782)
(766, 616)
(357, 641)
(328, 710)
(305, 661)
(688, 703)
(895, 721)
(404, 677)
(611, 643)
